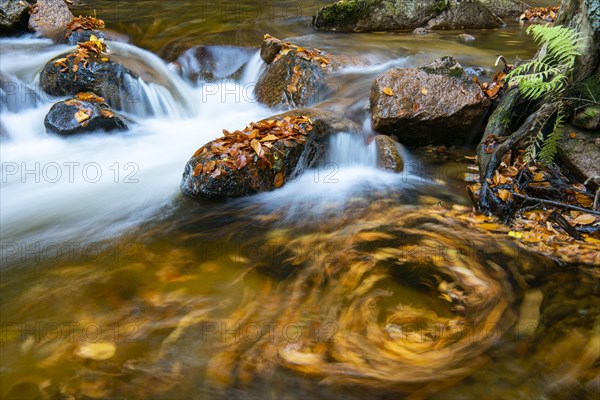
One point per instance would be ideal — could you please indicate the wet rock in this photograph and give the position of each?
(388, 153)
(506, 8)
(286, 160)
(421, 31)
(14, 15)
(106, 78)
(270, 48)
(209, 63)
(295, 78)
(588, 118)
(75, 117)
(581, 155)
(465, 14)
(390, 15)
(374, 15)
(50, 17)
(435, 104)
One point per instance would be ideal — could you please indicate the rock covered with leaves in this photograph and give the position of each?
(295, 76)
(84, 113)
(262, 156)
(87, 69)
(435, 104)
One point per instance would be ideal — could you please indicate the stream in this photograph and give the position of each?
(116, 286)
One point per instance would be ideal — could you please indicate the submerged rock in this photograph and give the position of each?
(388, 153)
(465, 14)
(209, 63)
(14, 15)
(389, 15)
(77, 116)
(294, 78)
(435, 104)
(287, 143)
(50, 17)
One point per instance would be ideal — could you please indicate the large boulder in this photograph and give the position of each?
(14, 15)
(588, 118)
(506, 8)
(50, 17)
(390, 15)
(580, 154)
(295, 76)
(388, 153)
(263, 156)
(99, 75)
(85, 113)
(435, 104)
(209, 63)
(465, 14)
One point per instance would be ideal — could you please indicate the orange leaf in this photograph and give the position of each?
(278, 180)
(256, 146)
(269, 138)
(504, 194)
(388, 91)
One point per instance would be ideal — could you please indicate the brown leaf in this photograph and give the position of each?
(278, 180)
(584, 219)
(256, 147)
(505, 195)
(269, 138)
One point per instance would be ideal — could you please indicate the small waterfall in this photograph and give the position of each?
(350, 149)
(158, 91)
(253, 70)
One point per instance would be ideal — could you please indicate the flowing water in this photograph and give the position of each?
(348, 282)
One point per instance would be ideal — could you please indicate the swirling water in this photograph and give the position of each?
(330, 287)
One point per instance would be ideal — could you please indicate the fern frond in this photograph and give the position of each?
(550, 144)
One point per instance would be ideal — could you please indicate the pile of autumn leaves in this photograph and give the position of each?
(94, 48)
(256, 143)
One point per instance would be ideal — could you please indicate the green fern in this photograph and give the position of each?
(547, 77)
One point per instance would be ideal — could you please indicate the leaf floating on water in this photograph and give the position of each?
(81, 116)
(388, 91)
(97, 351)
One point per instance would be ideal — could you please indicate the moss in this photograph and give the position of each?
(456, 72)
(591, 88)
(441, 6)
(345, 12)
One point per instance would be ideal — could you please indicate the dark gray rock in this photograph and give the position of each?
(210, 63)
(14, 15)
(61, 119)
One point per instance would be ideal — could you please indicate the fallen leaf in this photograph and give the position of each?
(388, 91)
(584, 219)
(256, 146)
(424, 91)
(81, 116)
(505, 195)
(572, 135)
(269, 138)
(97, 351)
(278, 180)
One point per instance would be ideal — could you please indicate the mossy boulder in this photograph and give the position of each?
(262, 157)
(436, 104)
(506, 8)
(588, 118)
(391, 15)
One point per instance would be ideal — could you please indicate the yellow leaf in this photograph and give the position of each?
(504, 194)
(256, 146)
(269, 138)
(515, 234)
(424, 91)
(81, 116)
(584, 219)
(388, 91)
(538, 177)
